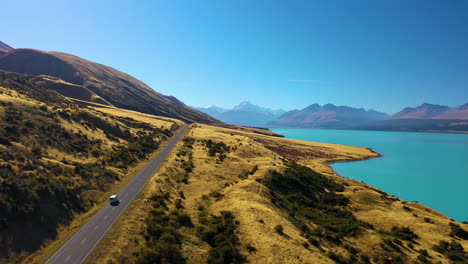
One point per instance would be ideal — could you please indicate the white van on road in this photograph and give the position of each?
(114, 199)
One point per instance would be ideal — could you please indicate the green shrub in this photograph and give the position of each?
(251, 248)
(214, 148)
(404, 233)
(279, 229)
(453, 250)
(309, 196)
(188, 142)
(338, 258)
(163, 242)
(457, 231)
(219, 233)
(185, 220)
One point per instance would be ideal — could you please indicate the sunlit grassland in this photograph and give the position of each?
(234, 183)
(80, 125)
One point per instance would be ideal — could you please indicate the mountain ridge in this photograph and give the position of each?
(116, 87)
(433, 111)
(243, 114)
(326, 116)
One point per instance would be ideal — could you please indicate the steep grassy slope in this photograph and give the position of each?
(117, 88)
(57, 159)
(62, 87)
(236, 197)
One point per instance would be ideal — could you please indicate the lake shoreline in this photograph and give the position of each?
(378, 155)
(412, 167)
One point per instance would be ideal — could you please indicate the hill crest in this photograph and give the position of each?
(115, 87)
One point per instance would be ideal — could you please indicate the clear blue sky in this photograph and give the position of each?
(376, 54)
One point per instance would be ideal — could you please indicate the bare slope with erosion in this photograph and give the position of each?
(115, 87)
(228, 196)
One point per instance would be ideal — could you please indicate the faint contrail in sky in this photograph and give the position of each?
(310, 81)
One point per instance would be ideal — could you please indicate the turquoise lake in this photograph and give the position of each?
(430, 168)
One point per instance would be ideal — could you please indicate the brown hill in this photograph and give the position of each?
(67, 89)
(117, 88)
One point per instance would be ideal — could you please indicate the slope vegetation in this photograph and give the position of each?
(228, 196)
(58, 159)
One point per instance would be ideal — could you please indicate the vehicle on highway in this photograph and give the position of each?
(114, 199)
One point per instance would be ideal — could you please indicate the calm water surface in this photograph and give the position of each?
(430, 168)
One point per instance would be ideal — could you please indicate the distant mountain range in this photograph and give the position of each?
(327, 116)
(424, 118)
(81, 79)
(243, 114)
(431, 111)
(85, 80)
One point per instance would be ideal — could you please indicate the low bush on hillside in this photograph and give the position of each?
(220, 233)
(188, 142)
(214, 148)
(246, 174)
(188, 164)
(162, 240)
(453, 250)
(309, 196)
(403, 233)
(457, 231)
(137, 149)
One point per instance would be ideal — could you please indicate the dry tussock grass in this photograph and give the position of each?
(250, 202)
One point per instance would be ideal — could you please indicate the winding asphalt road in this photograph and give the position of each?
(83, 242)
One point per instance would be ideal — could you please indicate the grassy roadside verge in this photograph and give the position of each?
(129, 224)
(66, 232)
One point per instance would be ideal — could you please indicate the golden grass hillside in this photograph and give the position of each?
(58, 161)
(218, 176)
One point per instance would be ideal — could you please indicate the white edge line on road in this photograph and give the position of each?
(123, 209)
(68, 241)
(76, 234)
